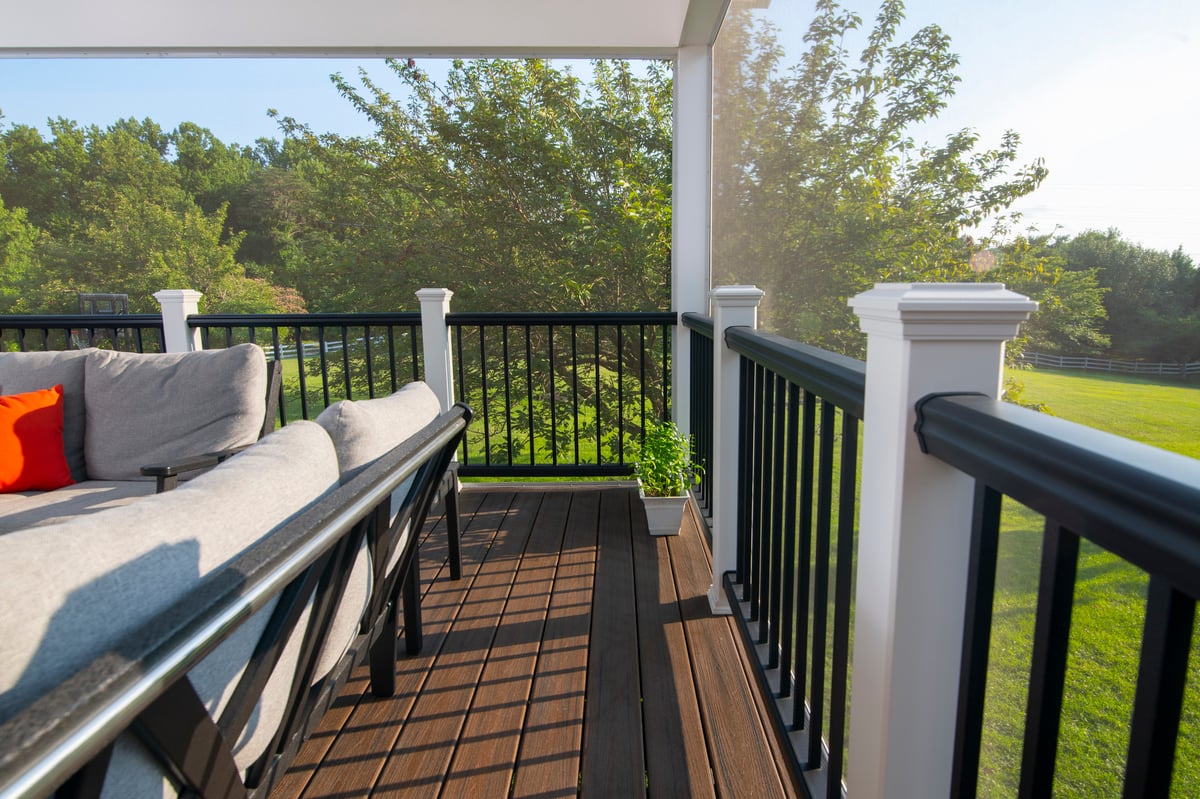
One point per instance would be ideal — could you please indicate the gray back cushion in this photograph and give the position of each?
(30, 371)
(73, 589)
(364, 430)
(144, 409)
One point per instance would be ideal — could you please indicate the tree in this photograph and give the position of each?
(18, 260)
(820, 190)
(1071, 302)
(1152, 294)
(114, 215)
(515, 183)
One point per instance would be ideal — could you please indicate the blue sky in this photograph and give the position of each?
(1107, 91)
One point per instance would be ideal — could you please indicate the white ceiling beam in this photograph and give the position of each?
(703, 22)
(151, 28)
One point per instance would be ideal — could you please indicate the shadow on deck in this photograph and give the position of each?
(576, 655)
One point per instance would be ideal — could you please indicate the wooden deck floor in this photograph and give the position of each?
(576, 655)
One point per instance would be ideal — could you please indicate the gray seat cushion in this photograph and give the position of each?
(73, 588)
(30, 371)
(144, 409)
(31, 508)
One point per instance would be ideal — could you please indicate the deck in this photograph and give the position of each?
(576, 655)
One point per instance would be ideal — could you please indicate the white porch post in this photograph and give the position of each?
(914, 529)
(733, 306)
(691, 169)
(177, 305)
(435, 343)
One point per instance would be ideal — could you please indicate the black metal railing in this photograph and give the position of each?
(327, 357)
(555, 394)
(800, 414)
(1136, 502)
(126, 332)
(701, 403)
(559, 394)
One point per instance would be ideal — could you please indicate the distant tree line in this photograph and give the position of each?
(1137, 302)
(523, 186)
(820, 192)
(517, 184)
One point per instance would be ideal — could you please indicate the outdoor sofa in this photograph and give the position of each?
(185, 643)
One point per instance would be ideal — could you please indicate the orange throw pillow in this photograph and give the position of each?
(31, 442)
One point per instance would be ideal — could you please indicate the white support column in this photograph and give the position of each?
(915, 529)
(177, 305)
(733, 306)
(691, 176)
(435, 341)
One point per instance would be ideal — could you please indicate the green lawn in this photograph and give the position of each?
(1109, 607)
(1164, 414)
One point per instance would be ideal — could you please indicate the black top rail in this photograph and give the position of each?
(562, 319)
(698, 322)
(835, 378)
(303, 319)
(34, 322)
(76, 331)
(1136, 501)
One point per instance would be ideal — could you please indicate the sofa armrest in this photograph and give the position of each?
(166, 475)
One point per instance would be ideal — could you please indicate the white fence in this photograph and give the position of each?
(1108, 365)
(313, 348)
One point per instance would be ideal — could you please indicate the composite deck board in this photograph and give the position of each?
(741, 747)
(421, 757)
(353, 764)
(564, 597)
(484, 761)
(553, 735)
(613, 763)
(677, 762)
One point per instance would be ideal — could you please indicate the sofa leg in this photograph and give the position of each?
(453, 533)
(383, 653)
(413, 640)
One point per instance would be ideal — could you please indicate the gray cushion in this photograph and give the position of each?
(144, 409)
(71, 589)
(348, 617)
(30, 371)
(30, 508)
(364, 430)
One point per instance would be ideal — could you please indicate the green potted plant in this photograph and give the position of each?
(665, 471)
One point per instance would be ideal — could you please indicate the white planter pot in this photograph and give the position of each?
(664, 515)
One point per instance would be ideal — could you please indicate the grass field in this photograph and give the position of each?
(1163, 414)
(1109, 607)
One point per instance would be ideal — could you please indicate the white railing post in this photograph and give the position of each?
(435, 343)
(733, 306)
(691, 168)
(914, 529)
(177, 305)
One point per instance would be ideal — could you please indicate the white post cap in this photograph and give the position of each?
(434, 295)
(735, 296)
(950, 311)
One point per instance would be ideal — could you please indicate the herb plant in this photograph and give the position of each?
(666, 467)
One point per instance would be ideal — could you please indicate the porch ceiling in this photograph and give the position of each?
(358, 27)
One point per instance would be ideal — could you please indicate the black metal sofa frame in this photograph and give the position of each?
(63, 741)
